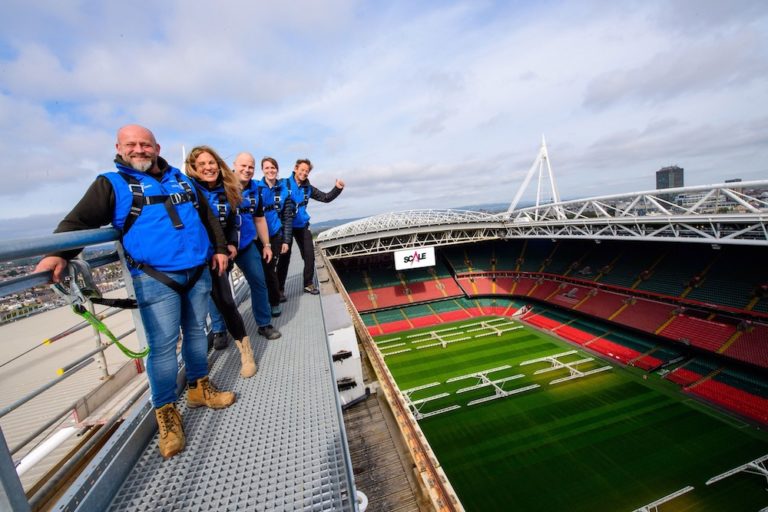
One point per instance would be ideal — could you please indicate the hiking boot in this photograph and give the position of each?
(283, 298)
(170, 440)
(247, 364)
(202, 392)
(310, 288)
(276, 311)
(220, 340)
(269, 332)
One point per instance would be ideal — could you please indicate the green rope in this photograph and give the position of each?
(99, 325)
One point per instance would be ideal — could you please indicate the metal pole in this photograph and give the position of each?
(12, 495)
(101, 359)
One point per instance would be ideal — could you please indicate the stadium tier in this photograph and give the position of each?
(750, 345)
(601, 304)
(661, 289)
(644, 315)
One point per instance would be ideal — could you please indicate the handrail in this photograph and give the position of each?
(31, 247)
(36, 246)
(17, 284)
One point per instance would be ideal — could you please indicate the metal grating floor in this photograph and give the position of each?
(279, 447)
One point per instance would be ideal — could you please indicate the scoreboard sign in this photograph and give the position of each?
(415, 258)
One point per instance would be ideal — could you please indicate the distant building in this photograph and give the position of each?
(669, 177)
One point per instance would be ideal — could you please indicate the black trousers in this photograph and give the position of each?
(270, 269)
(221, 292)
(303, 238)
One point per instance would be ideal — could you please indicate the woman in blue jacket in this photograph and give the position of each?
(220, 186)
(278, 211)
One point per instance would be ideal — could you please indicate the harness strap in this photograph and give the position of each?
(139, 200)
(115, 303)
(251, 209)
(163, 278)
(305, 202)
(221, 208)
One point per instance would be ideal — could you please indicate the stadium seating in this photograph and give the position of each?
(602, 304)
(574, 334)
(534, 253)
(645, 315)
(544, 288)
(595, 263)
(683, 376)
(698, 332)
(570, 295)
(613, 350)
(734, 399)
(751, 346)
(671, 272)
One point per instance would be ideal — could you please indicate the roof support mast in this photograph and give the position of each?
(538, 166)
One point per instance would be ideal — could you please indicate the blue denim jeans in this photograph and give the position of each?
(249, 261)
(217, 320)
(164, 312)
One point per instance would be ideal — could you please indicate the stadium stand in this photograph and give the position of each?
(735, 273)
(566, 254)
(683, 376)
(644, 315)
(674, 300)
(698, 332)
(544, 288)
(750, 345)
(570, 295)
(601, 304)
(534, 253)
(671, 272)
(597, 262)
(734, 399)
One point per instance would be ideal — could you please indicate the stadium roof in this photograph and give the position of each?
(729, 213)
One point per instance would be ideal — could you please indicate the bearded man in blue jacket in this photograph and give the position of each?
(167, 230)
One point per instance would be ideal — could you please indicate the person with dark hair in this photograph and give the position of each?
(167, 230)
(301, 191)
(278, 210)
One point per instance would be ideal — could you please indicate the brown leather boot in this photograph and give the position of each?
(171, 439)
(247, 364)
(202, 392)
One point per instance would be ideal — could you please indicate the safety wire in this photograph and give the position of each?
(89, 317)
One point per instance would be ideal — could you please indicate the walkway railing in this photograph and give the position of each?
(12, 494)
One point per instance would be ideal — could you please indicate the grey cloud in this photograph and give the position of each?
(431, 124)
(694, 16)
(735, 61)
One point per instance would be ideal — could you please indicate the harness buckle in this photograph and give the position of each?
(176, 198)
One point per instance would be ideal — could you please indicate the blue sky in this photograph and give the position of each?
(414, 104)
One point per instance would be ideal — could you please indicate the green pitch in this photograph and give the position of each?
(611, 441)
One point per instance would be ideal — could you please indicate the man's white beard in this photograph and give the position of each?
(143, 166)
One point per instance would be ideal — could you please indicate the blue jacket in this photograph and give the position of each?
(301, 194)
(273, 201)
(153, 239)
(248, 210)
(228, 218)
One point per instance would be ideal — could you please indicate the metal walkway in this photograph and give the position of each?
(281, 446)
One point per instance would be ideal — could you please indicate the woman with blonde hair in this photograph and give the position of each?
(217, 182)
